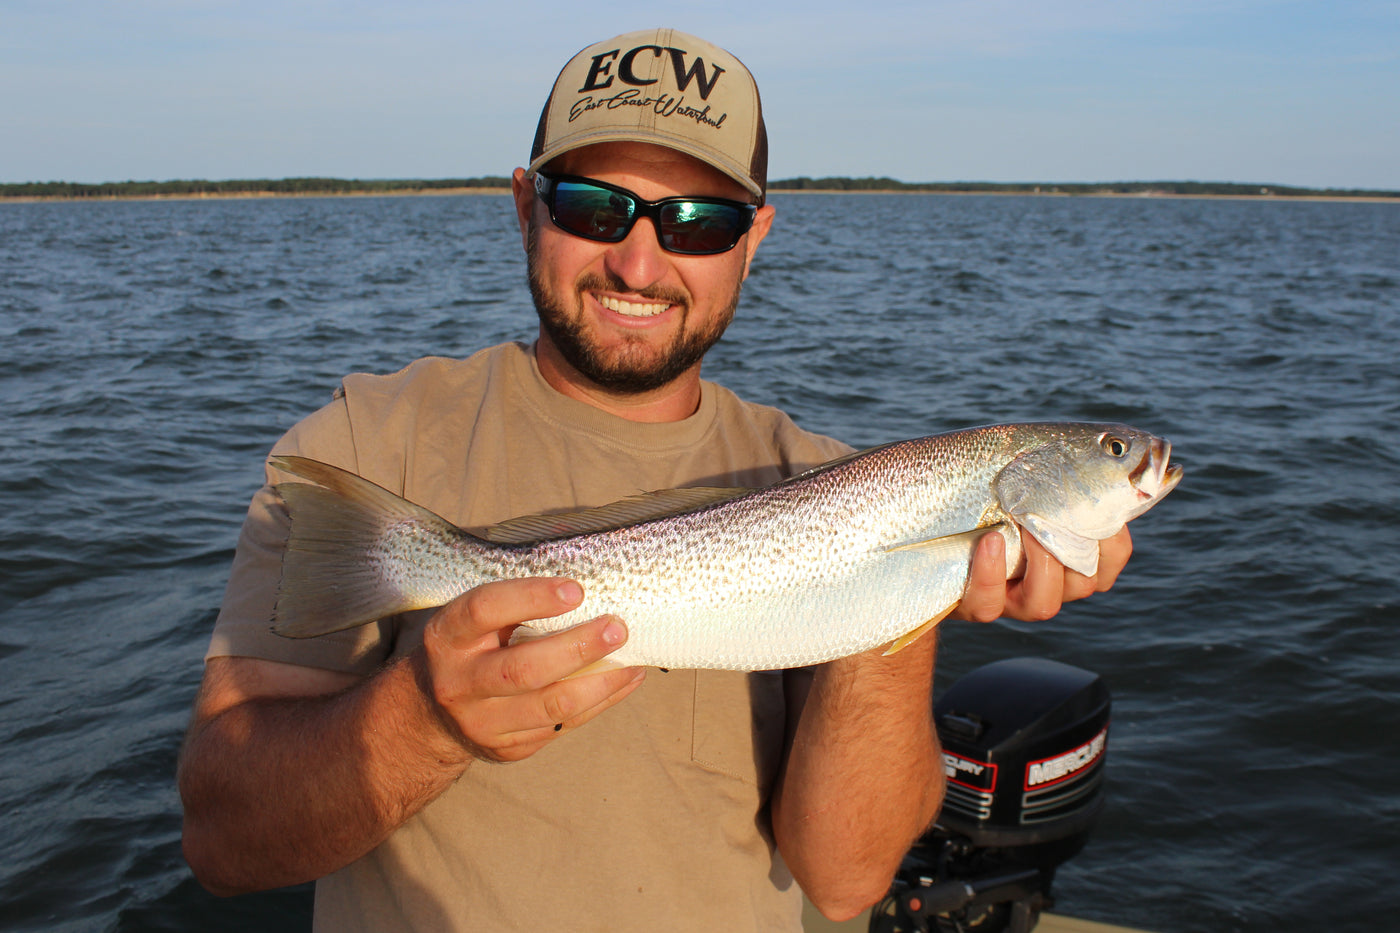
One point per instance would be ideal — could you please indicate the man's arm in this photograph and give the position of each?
(863, 777)
(289, 773)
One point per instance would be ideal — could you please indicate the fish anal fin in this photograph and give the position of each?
(908, 638)
(600, 666)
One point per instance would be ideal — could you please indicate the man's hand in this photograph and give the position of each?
(1046, 584)
(353, 757)
(504, 702)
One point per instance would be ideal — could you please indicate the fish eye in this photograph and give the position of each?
(1115, 446)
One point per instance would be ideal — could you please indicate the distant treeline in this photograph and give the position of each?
(1230, 189)
(330, 186)
(195, 188)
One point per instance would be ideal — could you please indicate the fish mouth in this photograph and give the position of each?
(1155, 475)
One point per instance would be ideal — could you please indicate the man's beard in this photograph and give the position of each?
(631, 369)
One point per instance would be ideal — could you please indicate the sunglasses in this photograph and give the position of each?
(598, 211)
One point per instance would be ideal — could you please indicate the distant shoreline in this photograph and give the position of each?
(324, 187)
(1141, 195)
(250, 195)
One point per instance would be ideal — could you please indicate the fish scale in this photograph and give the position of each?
(844, 558)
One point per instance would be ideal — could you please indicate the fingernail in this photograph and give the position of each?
(614, 633)
(569, 592)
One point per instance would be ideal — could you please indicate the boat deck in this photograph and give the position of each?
(813, 922)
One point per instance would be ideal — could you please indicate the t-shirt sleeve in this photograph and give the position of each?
(244, 625)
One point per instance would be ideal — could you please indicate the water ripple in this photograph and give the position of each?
(150, 353)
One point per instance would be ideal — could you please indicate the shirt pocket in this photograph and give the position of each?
(739, 724)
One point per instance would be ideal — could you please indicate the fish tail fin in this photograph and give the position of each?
(335, 573)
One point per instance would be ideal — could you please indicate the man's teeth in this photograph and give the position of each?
(633, 308)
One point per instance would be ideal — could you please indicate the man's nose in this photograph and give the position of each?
(639, 259)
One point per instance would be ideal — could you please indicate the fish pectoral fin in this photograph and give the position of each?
(908, 638)
(963, 541)
(525, 633)
(961, 546)
(650, 506)
(1074, 550)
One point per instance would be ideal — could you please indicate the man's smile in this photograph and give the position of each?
(632, 308)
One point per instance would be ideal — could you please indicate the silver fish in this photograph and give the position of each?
(867, 550)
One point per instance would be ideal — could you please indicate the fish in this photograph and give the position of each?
(871, 549)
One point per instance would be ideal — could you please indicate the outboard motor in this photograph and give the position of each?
(1024, 746)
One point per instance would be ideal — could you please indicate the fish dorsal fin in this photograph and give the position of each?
(836, 462)
(632, 510)
(645, 507)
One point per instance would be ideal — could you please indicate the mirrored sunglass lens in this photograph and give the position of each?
(689, 227)
(592, 212)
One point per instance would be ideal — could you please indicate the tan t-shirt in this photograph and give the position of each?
(653, 816)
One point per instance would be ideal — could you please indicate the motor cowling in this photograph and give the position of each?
(1025, 744)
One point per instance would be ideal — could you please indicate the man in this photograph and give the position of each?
(433, 777)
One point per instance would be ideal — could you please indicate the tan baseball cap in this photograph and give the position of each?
(659, 86)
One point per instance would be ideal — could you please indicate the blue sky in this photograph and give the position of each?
(1302, 93)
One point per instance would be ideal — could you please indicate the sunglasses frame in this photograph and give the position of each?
(547, 187)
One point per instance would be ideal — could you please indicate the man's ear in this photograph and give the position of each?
(523, 190)
(762, 223)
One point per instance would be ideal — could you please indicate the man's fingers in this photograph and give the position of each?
(985, 594)
(1113, 557)
(566, 704)
(514, 728)
(531, 665)
(505, 700)
(492, 607)
(1041, 590)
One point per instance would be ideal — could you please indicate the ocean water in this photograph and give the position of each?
(151, 352)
